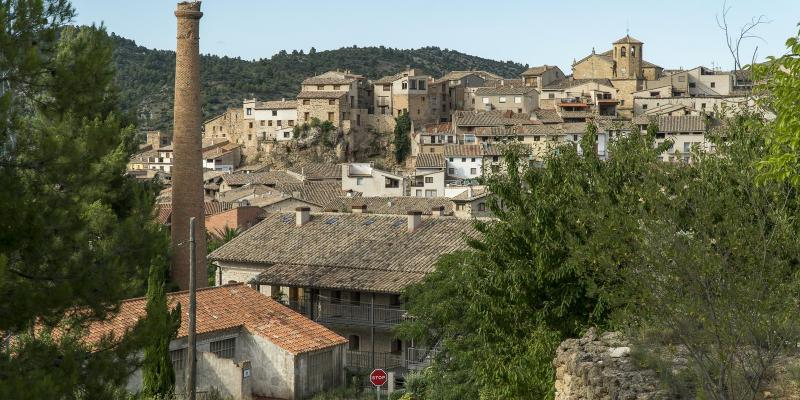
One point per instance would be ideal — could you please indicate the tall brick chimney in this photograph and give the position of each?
(187, 167)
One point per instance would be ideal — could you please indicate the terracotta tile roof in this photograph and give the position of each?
(477, 192)
(674, 123)
(248, 190)
(548, 116)
(164, 210)
(575, 114)
(391, 205)
(315, 192)
(220, 151)
(317, 171)
(429, 160)
(490, 118)
(321, 94)
(277, 105)
(504, 90)
(437, 128)
(570, 82)
(270, 178)
(628, 39)
(457, 75)
(347, 251)
(549, 129)
(536, 71)
(389, 78)
(226, 308)
(463, 150)
(253, 168)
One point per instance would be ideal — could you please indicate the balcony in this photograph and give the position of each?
(341, 312)
(363, 360)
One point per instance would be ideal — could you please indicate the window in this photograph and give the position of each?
(394, 300)
(419, 192)
(473, 171)
(285, 135)
(250, 124)
(249, 136)
(481, 206)
(451, 171)
(575, 138)
(274, 113)
(332, 102)
(355, 297)
(306, 115)
(430, 193)
(551, 96)
(330, 116)
(681, 78)
(536, 138)
(224, 348)
(261, 122)
(422, 87)
(178, 358)
(713, 84)
(428, 179)
(291, 122)
(451, 159)
(703, 106)
(633, 51)
(404, 85)
(306, 102)
(517, 99)
(359, 181)
(459, 207)
(354, 343)
(249, 111)
(622, 51)
(691, 84)
(495, 158)
(336, 296)
(502, 99)
(485, 100)
(391, 183)
(397, 346)
(464, 159)
(413, 84)
(654, 94)
(644, 106)
(387, 88)
(279, 122)
(423, 99)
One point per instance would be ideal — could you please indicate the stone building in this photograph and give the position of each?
(346, 271)
(542, 76)
(413, 92)
(521, 99)
(228, 125)
(248, 345)
(342, 98)
(270, 120)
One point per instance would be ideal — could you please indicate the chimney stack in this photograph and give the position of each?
(359, 209)
(438, 211)
(469, 192)
(302, 215)
(414, 220)
(187, 169)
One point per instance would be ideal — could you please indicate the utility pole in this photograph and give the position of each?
(191, 385)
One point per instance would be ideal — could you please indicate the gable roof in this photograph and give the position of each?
(321, 94)
(674, 123)
(490, 118)
(164, 210)
(270, 178)
(570, 82)
(548, 116)
(277, 105)
(504, 90)
(315, 192)
(317, 171)
(346, 251)
(536, 71)
(429, 160)
(389, 78)
(628, 39)
(225, 308)
(391, 205)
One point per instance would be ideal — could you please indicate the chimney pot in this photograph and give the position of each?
(414, 220)
(359, 209)
(438, 211)
(302, 215)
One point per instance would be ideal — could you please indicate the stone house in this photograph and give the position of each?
(431, 138)
(222, 157)
(248, 345)
(472, 203)
(457, 85)
(227, 126)
(464, 161)
(370, 181)
(685, 132)
(597, 96)
(713, 105)
(541, 76)
(410, 91)
(270, 120)
(522, 99)
(346, 271)
(340, 97)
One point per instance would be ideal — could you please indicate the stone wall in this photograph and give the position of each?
(599, 367)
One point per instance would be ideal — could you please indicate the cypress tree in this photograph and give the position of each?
(158, 377)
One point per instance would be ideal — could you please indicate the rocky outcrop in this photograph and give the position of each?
(599, 367)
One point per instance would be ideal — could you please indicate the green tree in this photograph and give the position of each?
(214, 242)
(779, 93)
(158, 377)
(76, 232)
(544, 271)
(402, 140)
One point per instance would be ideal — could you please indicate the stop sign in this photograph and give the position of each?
(378, 377)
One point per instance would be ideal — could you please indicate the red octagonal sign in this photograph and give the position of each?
(378, 377)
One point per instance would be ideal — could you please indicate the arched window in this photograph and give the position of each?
(354, 343)
(622, 51)
(633, 51)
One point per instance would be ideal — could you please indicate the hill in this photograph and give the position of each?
(146, 76)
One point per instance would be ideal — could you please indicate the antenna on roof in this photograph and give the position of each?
(627, 27)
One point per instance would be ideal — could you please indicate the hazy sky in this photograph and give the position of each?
(676, 33)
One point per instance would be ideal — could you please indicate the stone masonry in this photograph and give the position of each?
(187, 169)
(600, 368)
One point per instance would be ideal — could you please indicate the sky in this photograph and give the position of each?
(676, 33)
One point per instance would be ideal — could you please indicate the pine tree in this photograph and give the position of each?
(158, 377)
(75, 231)
(402, 142)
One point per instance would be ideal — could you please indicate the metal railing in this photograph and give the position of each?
(333, 311)
(418, 358)
(363, 360)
